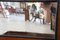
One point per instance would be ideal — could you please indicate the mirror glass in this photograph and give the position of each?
(34, 17)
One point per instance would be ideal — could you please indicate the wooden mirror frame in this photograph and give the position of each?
(56, 18)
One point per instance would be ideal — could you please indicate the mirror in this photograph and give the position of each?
(33, 17)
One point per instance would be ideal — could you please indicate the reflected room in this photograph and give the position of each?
(30, 17)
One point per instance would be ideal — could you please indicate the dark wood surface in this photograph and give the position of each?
(29, 35)
(13, 38)
(58, 24)
(28, 0)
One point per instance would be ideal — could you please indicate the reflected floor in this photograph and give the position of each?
(17, 23)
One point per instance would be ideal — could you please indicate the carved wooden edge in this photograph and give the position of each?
(28, 0)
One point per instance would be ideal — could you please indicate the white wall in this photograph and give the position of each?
(36, 3)
(16, 4)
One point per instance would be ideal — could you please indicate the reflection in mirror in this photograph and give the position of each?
(29, 17)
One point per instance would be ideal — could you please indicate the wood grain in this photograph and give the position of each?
(58, 30)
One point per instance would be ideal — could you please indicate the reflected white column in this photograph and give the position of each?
(2, 5)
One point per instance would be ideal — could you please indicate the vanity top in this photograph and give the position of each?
(28, 35)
